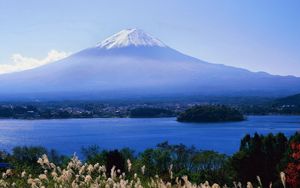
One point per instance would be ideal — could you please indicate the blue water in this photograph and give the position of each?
(69, 135)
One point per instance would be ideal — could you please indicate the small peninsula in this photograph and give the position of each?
(210, 113)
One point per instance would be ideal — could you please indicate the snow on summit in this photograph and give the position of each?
(130, 37)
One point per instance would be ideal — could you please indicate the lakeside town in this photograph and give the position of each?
(96, 109)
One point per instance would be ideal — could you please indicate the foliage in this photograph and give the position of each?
(293, 167)
(289, 100)
(263, 156)
(115, 159)
(79, 175)
(210, 113)
(147, 112)
(259, 156)
(24, 158)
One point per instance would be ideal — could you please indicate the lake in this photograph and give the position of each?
(69, 135)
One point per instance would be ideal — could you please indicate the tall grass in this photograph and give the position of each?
(79, 175)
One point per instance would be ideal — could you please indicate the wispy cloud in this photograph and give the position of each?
(21, 62)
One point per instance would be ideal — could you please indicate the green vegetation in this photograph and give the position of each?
(288, 105)
(263, 156)
(147, 112)
(210, 113)
(289, 100)
(260, 156)
(85, 109)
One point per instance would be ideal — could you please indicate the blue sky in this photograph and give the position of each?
(260, 35)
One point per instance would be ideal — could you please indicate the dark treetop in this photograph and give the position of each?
(210, 113)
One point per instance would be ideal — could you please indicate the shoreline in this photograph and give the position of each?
(127, 117)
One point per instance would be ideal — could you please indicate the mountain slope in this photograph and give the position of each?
(133, 63)
(289, 100)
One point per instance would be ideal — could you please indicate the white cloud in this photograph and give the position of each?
(21, 62)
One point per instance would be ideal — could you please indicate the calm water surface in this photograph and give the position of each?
(69, 135)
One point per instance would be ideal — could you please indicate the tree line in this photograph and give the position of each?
(258, 155)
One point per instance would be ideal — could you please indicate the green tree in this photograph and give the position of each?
(260, 156)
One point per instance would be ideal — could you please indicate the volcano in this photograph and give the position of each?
(132, 63)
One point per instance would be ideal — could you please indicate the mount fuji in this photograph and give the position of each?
(132, 63)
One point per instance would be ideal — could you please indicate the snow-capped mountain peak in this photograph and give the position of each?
(130, 37)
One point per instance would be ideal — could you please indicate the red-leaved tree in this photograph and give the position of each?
(293, 168)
